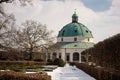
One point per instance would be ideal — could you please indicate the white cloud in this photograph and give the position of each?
(109, 22)
(56, 14)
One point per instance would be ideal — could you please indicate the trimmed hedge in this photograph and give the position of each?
(98, 72)
(21, 76)
(105, 53)
(21, 64)
(28, 63)
(59, 62)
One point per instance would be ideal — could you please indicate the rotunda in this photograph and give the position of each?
(73, 38)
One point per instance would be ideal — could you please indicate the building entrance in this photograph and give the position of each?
(75, 56)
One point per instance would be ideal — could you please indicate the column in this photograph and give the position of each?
(80, 57)
(57, 55)
(63, 54)
(71, 57)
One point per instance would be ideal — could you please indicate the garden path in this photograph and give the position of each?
(69, 73)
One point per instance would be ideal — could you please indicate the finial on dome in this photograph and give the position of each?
(75, 11)
(74, 17)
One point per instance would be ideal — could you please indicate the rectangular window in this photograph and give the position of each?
(61, 39)
(75, 30)
(88, 39)
(75, 39)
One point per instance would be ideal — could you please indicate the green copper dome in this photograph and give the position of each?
(75, 29)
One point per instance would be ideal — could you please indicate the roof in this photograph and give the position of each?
(75, 29)
(72, 45)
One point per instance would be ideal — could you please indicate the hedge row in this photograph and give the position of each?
(98, 72)
(28, 63)
(21, 76)
(105, 53)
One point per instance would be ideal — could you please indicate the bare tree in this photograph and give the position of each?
(7, 21)
(32, 37)
(4, 17)
(6, 28)
(23, 2)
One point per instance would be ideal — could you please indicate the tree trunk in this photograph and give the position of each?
(31, 54)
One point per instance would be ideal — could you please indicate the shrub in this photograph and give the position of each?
(59, 62)
(50, 60)
(20, 64)
(99, 73)
(30, 63)
(38, 60)
(21, 76)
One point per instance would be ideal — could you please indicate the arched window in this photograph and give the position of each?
(67, 56)
(75, 56)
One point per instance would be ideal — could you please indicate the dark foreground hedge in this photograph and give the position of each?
(99, 73)
(22, 76)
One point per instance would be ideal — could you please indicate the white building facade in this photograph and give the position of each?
(73, 38)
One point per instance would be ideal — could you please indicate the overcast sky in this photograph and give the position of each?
(102, 17)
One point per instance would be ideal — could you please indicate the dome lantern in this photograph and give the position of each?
(74, 18)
